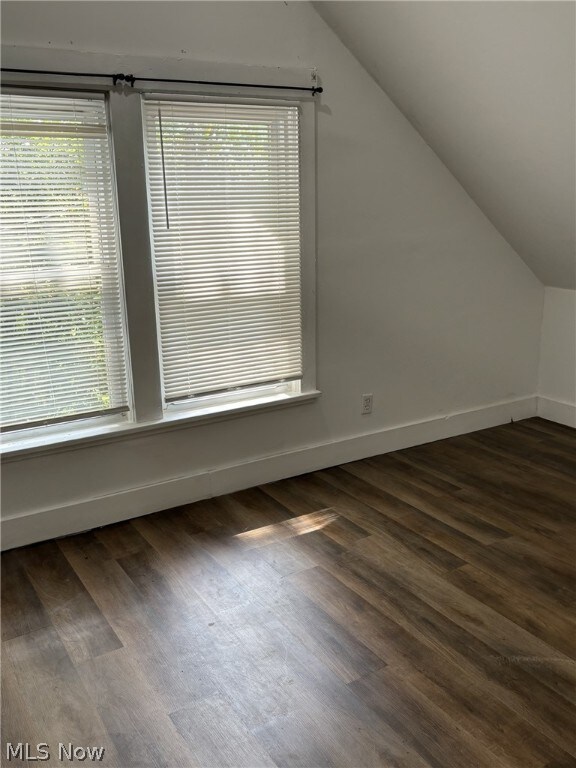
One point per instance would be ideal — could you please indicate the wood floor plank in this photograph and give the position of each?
(508, 513)
(561, 544)
(551, 431)
(142, 732)
(348, 731)
(121, 539)
(386, 516)
(453, 511)
(537, 466)
(165, 643)
(82, 627)
(410, 610)
(328, 640)
(218, 738)
(541, 555)
(437, 737)
(568, 763)
(385, 555)
(515, 646)
(516, 563)
(195, 570)
(390, 467)
(342, 531)
(555, 627)
(52, 703)
(468, 704)
(542, 506)
(22, 609)
(548, 713)
(531, 450)
(250, 509)
(418, 638)
(316, 737)
(511, 477)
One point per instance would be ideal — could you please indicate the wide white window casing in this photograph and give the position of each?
(63, 338)
(224, 191)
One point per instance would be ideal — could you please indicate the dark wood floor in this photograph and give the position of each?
(413, 609)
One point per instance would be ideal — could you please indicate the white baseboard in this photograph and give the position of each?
(557, 410)
(43, 524)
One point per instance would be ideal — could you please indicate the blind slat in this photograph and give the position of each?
(223, 184)
(63, 342)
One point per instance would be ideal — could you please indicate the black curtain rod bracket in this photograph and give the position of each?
(131, 79)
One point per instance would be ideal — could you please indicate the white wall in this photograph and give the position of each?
(491, 86)
(420, 300)
(557, 381)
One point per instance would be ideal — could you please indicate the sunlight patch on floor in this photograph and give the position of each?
(296, 526)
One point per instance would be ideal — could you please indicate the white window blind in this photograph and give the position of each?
(225, 209)
(62, 334)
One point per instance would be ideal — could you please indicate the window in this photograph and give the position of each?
(157, 259)
(63, 340)
(225, 208)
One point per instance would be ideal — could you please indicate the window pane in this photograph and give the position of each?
(225, 209)
(63, 342)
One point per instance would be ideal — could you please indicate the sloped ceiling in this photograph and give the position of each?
(491, 88)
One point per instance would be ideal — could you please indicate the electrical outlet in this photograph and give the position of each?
(367, 403)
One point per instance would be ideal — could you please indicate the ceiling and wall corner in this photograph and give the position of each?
(491, 88)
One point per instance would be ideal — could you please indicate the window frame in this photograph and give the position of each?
(244, 393)
(120, 415)
(128, 154)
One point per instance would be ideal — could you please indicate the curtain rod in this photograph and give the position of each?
(131, 79)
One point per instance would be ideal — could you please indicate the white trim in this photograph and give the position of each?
(557, 410)
(308, 243)
(42, 524)
(81, 436)
(308, 210)
(139, 289)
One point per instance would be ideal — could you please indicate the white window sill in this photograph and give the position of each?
(82, 438)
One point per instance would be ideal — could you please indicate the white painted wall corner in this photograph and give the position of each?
(557, 410)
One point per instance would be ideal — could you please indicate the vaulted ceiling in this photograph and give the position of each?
(491, 87)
